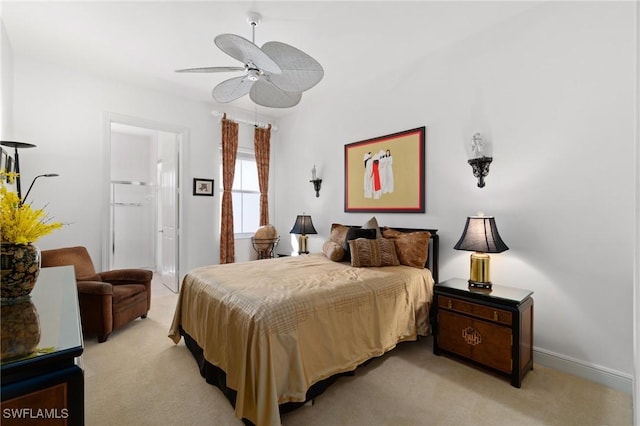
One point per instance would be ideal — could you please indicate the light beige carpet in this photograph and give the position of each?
(139, 377)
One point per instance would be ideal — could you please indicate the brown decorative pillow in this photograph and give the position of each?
(412, 248)
(354, 233)
(373, 252)
(333, 251)
(338, 233)
(390, 232)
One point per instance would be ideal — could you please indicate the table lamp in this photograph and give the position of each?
(481, 236)
(303, 226)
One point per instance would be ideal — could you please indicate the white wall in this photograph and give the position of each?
(553, 89)
(133, 157)
(6, 85)
(62, 112)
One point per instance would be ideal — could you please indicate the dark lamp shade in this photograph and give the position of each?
(303, 226)
(481, 234)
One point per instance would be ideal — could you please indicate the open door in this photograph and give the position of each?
(143, 225)
(168, 170)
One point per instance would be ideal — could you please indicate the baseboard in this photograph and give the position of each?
(596, 373)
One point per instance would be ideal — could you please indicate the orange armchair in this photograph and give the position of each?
(108, 300)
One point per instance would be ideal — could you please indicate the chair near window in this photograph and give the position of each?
(108, 300)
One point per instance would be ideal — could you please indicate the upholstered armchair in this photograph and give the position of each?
(108, 300)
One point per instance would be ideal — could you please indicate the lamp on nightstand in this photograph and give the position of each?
(303, 226)
(481, 236)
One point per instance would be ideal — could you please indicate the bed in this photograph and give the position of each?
(274, 333)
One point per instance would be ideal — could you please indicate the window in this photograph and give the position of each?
(245, 194)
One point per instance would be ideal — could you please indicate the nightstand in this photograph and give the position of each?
(490, 329)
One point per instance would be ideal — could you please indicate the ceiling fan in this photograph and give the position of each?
(274, 76)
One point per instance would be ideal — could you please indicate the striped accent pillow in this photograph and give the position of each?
(373, 252)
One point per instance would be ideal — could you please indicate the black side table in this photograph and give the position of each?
(490, 329)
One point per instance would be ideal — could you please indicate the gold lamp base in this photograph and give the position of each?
(302, 246)
(480, 277)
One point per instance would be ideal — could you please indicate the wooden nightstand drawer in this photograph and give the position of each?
(474, 309)
(484, 342)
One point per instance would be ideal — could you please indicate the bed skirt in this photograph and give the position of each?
(217, 377)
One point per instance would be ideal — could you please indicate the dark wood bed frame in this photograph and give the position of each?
(217, 377)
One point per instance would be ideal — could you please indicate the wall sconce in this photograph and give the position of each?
(479, 160)
(315, 181)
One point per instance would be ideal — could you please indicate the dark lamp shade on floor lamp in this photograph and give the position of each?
(303, 226)
(481, 236)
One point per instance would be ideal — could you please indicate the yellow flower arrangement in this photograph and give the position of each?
(19, 222)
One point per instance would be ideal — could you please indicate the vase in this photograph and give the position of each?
(20, 330)
(19, 269)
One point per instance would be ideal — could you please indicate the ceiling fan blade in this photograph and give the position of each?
(211, 69)
(300, 71)
(232, 89)
(267, 94)
(246, 52)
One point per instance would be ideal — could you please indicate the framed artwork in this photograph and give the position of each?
(386, 174)
(203, 187)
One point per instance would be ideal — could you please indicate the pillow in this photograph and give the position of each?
(412, 248)
(338, 233)
(333, 251)
(373, 224)
(354, 233)
(373, 252)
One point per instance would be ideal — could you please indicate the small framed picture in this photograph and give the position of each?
(203, 187)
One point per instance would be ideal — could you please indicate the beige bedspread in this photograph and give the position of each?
(277, 326)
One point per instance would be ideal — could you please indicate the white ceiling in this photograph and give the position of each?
(357, 43)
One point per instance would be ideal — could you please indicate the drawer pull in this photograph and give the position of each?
(471, 336)
(449, 304)
(495, 315)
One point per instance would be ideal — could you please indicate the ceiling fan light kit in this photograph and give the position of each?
(274, 76)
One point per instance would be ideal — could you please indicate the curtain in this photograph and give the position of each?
(229, 151)
(261, 143)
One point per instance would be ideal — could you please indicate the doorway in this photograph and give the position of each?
(143, 175)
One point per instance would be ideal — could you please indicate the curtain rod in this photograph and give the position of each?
(274, 127)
